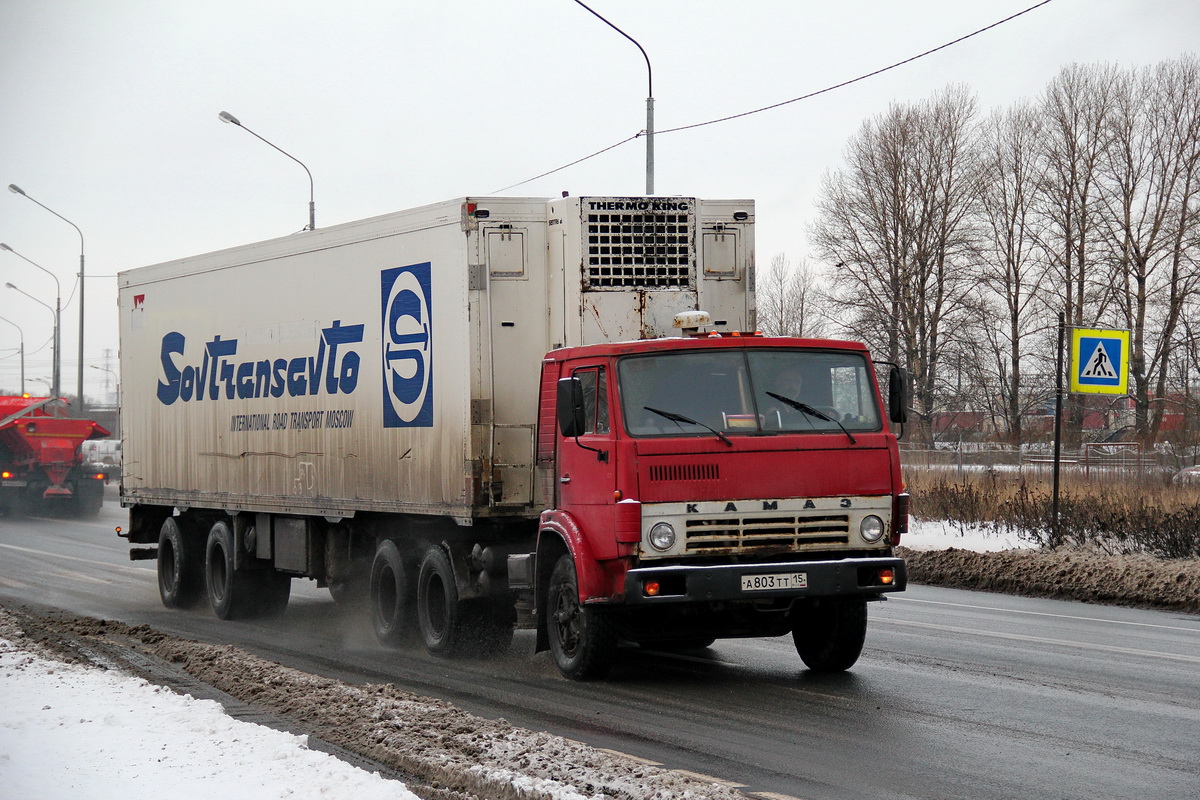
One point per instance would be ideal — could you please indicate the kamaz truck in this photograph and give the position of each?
(498, 413)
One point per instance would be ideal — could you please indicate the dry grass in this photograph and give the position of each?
(1112, 515)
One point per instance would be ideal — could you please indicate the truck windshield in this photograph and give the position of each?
(747, 392)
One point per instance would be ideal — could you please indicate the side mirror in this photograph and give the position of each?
(898, 395)
(571, 419)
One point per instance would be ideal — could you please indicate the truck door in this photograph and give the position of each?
(517, 341)
(586, 472)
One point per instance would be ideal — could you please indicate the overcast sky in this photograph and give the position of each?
(108, 115)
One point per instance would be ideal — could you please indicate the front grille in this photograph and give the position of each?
(684, 472)
(775, 533)
(650, 249)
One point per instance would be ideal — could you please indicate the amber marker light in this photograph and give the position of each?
(651, 588)
(6, 475)
(887, 577)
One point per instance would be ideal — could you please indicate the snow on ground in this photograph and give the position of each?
(72, 731)
(940, 535)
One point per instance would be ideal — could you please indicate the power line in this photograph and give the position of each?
(860, 77)
(573, 163)
(786, 102)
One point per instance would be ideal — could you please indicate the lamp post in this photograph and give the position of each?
(225, 116)
(12, 187)
(53, 389)
(18, 327)
(57, 376)
(649, 100)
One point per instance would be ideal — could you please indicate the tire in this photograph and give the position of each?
(180, 566)
(583, 642)
(442, 619)
(390, 596)
(829, 637)
(230, 593)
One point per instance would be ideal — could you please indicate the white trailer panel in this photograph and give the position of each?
(392, 364)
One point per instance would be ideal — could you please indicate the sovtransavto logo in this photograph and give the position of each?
(407, 357)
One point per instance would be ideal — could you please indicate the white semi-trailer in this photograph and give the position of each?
(378, 406)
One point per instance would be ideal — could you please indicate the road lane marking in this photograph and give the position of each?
(1018, 637)
(105, 564)
(1043, 614)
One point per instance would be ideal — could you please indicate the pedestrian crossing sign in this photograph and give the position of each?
(1099, 361)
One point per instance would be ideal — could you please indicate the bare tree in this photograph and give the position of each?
(1013, 266)
(897, 222)
(1151, 177)
(1075, 110)
(788, 299)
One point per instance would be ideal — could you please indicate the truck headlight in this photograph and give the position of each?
(662, 536)
(871, 529)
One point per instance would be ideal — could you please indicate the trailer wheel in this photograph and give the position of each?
(443, 619)
(390, 598)
(180, 566)
(230, 593)
(829, 637)
(582, 640)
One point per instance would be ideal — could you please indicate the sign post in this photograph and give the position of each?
(1099, 365)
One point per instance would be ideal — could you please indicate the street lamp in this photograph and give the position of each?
(54, 389)
(225, 116)
(12, 187)
(57, 319)
(18, 327)
(649, 101)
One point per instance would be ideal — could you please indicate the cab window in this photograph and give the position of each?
(595, 399)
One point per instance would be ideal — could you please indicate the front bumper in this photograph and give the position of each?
(850, 577)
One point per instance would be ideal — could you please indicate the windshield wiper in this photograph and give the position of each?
(677, 418)
(807, 409)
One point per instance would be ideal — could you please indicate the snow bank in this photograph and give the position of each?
(71, 731)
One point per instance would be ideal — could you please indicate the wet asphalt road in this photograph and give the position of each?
(958, 694)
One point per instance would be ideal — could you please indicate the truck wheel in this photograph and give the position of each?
(230, 593)
(829, 637)
(443, 620)
(180, 566)
(390, 598)
(582, 640)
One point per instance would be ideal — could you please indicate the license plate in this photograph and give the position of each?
(785, 580)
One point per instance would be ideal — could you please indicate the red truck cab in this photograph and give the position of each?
(715, 487)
